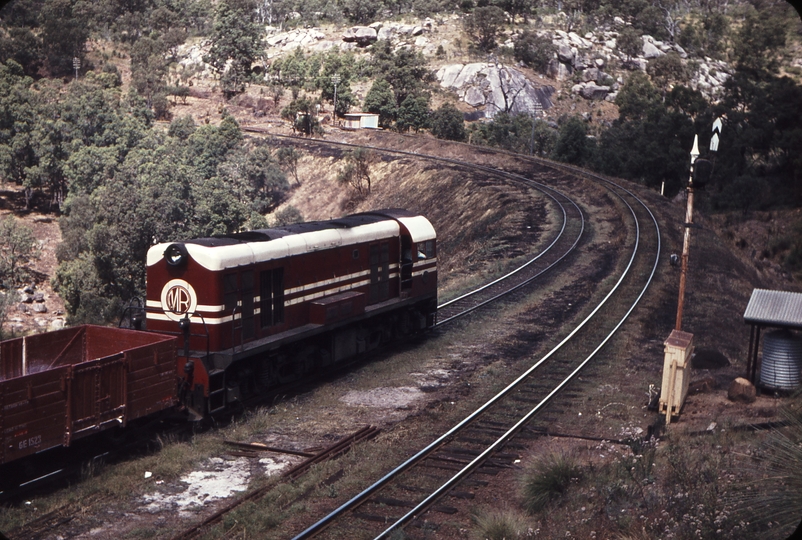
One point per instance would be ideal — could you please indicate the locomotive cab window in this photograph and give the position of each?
(426, 250)
(230, 291)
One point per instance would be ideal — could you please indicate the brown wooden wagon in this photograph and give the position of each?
(61, 386)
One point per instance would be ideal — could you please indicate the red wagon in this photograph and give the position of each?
(63, 385)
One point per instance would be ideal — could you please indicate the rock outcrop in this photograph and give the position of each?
(493, 88)
(587, 59)
(595, 50)
(307, 38)
(361, 35)
(593, 91)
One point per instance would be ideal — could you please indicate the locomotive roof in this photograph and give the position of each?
(238, 249)
(265, 235)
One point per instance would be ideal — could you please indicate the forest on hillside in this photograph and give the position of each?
(85, 145)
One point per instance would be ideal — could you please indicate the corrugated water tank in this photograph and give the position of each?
(782, 360)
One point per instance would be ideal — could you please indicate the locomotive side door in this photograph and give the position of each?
(271, 292)
(238, 298)
(379, 272)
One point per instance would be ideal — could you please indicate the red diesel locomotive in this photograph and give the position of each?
(264, 307)
(227, 318)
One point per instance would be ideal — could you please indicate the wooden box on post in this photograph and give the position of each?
(676, 373)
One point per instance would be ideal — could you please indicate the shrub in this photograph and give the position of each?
(17, 249)
(572, 143)
(288, 216)
(534, 51)
(7, 301)
(448, 123)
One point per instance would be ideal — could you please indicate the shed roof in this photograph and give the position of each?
(774, 308)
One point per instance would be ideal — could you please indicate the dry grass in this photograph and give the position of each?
(547, 479)
(772, 503)
(502, 525)
(676, 488)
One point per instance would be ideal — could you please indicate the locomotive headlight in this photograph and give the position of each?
(176, 254)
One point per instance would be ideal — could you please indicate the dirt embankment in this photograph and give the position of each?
(38, 308)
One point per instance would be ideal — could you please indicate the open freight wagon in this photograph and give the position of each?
(60, 386)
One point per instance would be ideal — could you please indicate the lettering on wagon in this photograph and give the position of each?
(30, 442)
(16, 404)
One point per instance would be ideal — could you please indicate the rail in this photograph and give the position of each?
(421, 507)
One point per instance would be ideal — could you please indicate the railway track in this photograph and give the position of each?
(412, 493)
(573, 227)
(450, 466)
(558, 247)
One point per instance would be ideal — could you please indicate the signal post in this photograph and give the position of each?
(679, 345)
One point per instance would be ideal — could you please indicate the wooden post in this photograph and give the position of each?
(749, 355)
(670, 398)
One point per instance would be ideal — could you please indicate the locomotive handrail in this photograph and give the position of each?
(205, 329)
(190, 314)
(131, 307)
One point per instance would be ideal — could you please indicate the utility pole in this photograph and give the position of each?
(336, 80)
(76, 63)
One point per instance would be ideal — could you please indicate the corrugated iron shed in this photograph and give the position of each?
(774, 308)
(769, 309)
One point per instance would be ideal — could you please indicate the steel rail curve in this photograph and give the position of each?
(560, 199)
(424, 505)
(428, 501)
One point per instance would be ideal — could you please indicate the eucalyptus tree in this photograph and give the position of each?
(381, 100)
(448, 123)
(235, 46)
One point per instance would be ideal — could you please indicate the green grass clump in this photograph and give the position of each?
(547, 479)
